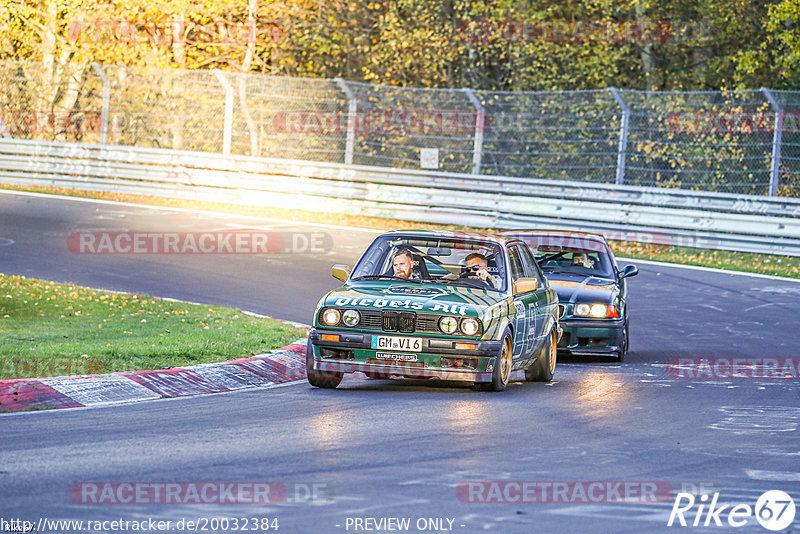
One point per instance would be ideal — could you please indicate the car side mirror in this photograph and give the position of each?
(629, 270)
(341, 272)
(525, 285)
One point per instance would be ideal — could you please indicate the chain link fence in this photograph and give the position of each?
(744, 142)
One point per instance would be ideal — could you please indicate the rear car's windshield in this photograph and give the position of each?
(579, 256)
(433, 260)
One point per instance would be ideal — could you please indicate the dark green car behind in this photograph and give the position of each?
(592, 290)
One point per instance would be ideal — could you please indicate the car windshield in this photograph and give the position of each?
(440, 260)
(571, 255)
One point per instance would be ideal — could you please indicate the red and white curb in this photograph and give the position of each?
(282, 365)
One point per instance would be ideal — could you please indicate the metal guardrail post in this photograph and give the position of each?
(4, 130)
(352, 120)
(226, 136)
(623, 135)
(106, 97)
(480, 121)
(777, 137)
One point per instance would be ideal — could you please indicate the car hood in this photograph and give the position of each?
(448, 300)
(576, 288)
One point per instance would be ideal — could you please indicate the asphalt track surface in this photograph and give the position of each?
(381, 449)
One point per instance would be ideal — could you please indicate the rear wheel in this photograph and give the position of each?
(502, 368)
(320, 379)
(544, 367)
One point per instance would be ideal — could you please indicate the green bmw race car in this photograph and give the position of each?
(435, 304)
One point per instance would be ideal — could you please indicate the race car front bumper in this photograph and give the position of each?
(591, 337)
(439, 357)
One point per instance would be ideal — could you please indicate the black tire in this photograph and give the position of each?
(502, 368)
(544, 367)
(320, 379)
(623, 351)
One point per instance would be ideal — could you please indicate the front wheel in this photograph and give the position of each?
(623, 350)
(544, 367)
(320, 379)
(502, 368)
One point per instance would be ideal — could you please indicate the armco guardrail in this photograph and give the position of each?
(669, 216)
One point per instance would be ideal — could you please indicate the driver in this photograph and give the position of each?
(403, 264)
(582, 260)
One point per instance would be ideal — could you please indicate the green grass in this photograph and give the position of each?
(786, 266)
(51, 329)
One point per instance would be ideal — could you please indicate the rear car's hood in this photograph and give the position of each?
(427, 298)
(574, 289)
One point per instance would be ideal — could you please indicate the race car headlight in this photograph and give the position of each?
(470, 326)
(448, 324)
(597, 311)
(331, 316)
(351, 317)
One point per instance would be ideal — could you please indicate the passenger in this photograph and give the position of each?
(476, 266)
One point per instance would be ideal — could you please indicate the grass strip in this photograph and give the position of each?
(53, 329)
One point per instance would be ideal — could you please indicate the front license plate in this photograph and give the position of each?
(409, 344)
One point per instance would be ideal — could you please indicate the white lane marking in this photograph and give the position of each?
(773, 476)
(761, 306)
(708, 269)
(5, 242)
(360, 229)
(758, 419)
(187, 210)
(655, 512)
(252, 227)
(368, 230)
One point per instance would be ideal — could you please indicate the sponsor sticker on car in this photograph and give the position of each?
(396, 356)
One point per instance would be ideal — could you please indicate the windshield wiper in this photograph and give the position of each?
(577, 273)
(463, 283)
(387, 277)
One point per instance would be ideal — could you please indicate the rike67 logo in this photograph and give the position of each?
(774, 510)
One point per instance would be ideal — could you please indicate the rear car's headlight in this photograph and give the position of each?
(331, 316)
(448, 324)
(597, 311)
(470, 326)
(351, 317)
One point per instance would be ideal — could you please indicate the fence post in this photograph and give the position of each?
(480, 121)
(4, 130)
(106, 96)
(777, 135)
(228, 126)
(352, 119)
(623, 135)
